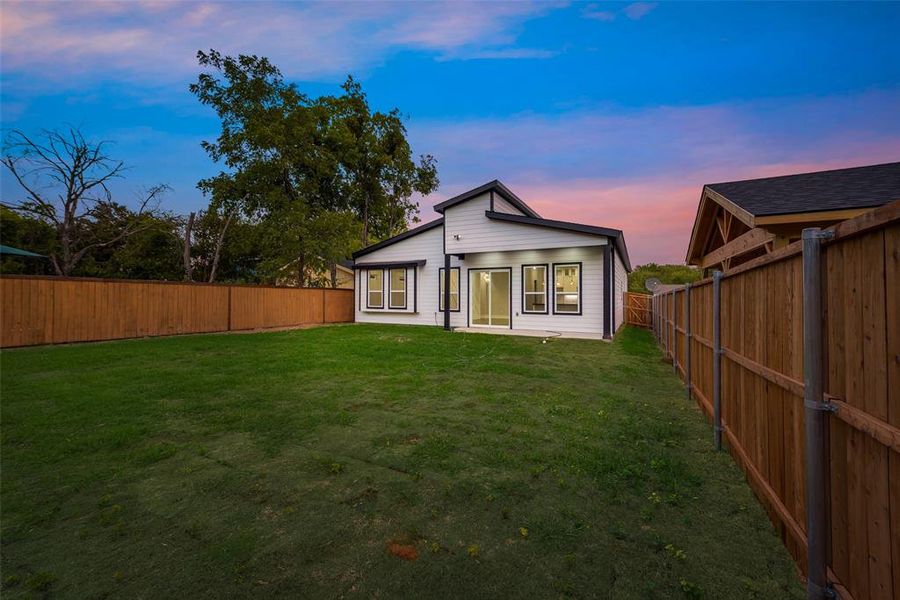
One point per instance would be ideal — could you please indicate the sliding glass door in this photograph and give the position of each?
(489, 297)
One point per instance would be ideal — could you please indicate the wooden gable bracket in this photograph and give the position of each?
(743, 243)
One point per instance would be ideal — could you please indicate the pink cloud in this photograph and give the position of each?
(642, 171)
(158, 40)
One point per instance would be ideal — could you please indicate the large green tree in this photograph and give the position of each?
(319, 176)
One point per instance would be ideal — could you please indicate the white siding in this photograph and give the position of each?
(591, 259)
(427, 246)
(621, 287)
(477, 233)
(501, 205)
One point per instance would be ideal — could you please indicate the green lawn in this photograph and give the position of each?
(301, 463)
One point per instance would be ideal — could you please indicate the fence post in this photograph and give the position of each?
(817, 587)
(674, 335)
(687, 340)
(665, 303)
(717, 359)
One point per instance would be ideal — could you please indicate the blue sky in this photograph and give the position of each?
(608, 113)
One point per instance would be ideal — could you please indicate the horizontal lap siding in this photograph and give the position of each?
(501, 205)
(591, 257)
(480, 234)
(426, 246)
(621, 276)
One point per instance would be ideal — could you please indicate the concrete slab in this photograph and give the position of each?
(532, 333)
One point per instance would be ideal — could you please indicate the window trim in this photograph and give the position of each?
(392, 291)
(580, 288)
(458, 288)
(369, 289)
(546, 291)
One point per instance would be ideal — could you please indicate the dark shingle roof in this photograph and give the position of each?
(857, 187)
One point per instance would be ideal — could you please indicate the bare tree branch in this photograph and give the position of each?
(65, 179)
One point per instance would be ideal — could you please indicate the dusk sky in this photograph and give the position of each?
(612, 114)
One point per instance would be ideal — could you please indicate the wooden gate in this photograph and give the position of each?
(637, 309)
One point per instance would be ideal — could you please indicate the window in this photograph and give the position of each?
(454, 289)
(567, 289)
(398, 288)
(534, 289)
(375, 290)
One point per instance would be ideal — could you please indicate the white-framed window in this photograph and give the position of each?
(567, 289)
(454, 289)
(534, 289)
(375, 289)
(398, 288)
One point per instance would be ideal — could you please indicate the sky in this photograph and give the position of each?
(611, 114)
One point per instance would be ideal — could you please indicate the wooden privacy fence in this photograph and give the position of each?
(747, 375)
(55, 310)
(637, 309)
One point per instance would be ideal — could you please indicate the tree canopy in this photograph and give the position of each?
(665, 274)
(322, 176)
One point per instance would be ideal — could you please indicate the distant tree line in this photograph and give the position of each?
(665, 273)
(304, 182)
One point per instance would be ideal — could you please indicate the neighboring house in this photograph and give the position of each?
(343, 275)
(741, 220)
(508, 268)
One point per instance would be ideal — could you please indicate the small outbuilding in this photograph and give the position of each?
(740, 220)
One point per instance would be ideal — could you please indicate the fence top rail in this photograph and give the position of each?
(168, 282)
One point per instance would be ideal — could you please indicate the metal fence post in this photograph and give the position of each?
(717, 359)
(665, 324)
(687, 340)
(817, 587)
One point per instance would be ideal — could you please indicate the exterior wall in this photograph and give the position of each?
(427, 246)
(501, 205)
(480, 234)
(591, 259)
(621, 277)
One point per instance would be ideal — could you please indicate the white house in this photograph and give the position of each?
(504, 265)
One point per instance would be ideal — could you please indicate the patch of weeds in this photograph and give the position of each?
(111, 515)
(691, 590)
(676, 553)
(336, 468)
(40, 581)
(11, 581)
(523, 531)
(473, 550)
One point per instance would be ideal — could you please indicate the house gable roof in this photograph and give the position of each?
(857, 187)
(399, 237)
(615, 234)
(492, 186)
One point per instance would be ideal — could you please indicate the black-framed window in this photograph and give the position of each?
(454, 289)
(397, 290)
(534, 289)
(567, 296)
(375, 288)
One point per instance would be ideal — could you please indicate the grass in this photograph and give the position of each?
(370, 461)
